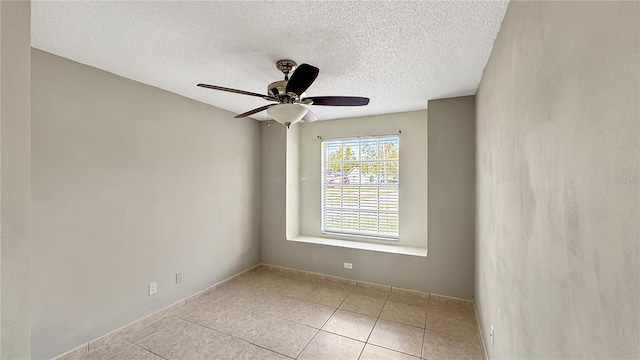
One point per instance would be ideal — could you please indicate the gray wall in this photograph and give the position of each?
(448, 267)
(15, 172)
(131, 184)
(558, 191)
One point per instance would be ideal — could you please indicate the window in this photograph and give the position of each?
(360, 184)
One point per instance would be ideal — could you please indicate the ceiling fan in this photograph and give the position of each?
(289, 95)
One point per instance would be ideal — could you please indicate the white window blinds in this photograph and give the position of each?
(360, 186)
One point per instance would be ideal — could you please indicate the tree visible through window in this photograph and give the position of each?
(360, 186)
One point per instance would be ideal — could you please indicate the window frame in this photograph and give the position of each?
(360, 235)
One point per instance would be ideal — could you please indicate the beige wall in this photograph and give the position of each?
(15, 172)
(448, 267)
(558, 191)
(131, 184)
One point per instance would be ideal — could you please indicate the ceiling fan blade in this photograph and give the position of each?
(302, 78)
(309, 116)
(251, 112)
(338, 100)
(214, 87)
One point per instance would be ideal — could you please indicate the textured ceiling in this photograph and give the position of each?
(400, 54)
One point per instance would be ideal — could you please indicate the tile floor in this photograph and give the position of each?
(268, 316)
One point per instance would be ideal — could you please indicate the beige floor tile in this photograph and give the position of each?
(450, 346)
(363, 304)
(371, 289)
(201, 304)
(247, 325)
(403, 313)
(266, 303)
(260, 282)
(285, 337)
(119, 349)
(410, 297)
(279, 306)
(451, 305)
(253, 352)
(249, 284)
(211, 314)
(245, 297)
(240, 323)
(103, 340)
(259, 276)
(399, 337)
(294, 289)
(184, 340)
(447, 322)
(310, 314)
(326, 346)
(185, 310)
(328, 295)
(372, 352)
(137, 332)
(352, 325)
(168, 311)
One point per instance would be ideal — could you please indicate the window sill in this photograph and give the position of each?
(393, 249)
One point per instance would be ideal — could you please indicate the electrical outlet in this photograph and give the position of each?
(178, 278)
(492, 335)
(348, 266)
(153, 288)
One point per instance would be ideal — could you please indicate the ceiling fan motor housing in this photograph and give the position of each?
(286, 65)
(277, 88)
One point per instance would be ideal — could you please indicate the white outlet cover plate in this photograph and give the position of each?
(492, 335)
(153, 288)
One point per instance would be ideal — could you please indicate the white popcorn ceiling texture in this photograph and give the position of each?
(399, 54)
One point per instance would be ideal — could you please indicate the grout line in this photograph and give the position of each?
(395, 350)
(334, 310)
(329, 318)
(424, 330)
(262, 347)
(361, 351)
(224, 333)
(138, 346)
(374, 327)
(305, 347)
(240, 352)
(368, 337)
(243, 340)
(345, 298)
(424, 334)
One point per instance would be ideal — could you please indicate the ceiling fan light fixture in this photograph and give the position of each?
(290, 93)
(287, 114)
